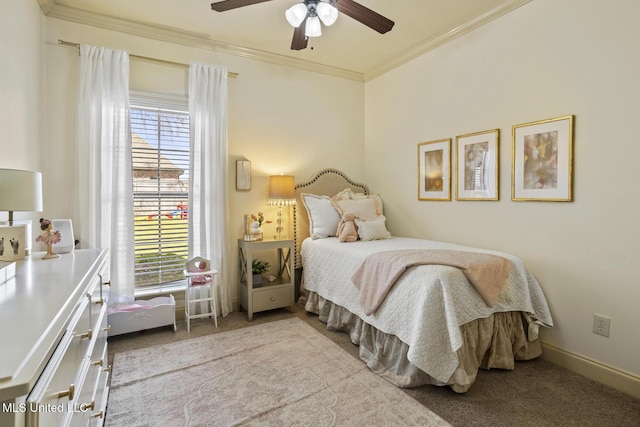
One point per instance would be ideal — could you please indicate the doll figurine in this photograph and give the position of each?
(48, 237)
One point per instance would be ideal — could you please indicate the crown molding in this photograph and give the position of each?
(443, 38)
(202, 41)
(186, 38)
(46, 5)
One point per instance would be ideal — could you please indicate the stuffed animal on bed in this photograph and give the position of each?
(347, 229)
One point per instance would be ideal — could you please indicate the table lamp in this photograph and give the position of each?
(281, 193)
(21, 191)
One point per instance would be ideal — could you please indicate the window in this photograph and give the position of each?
(160, 159)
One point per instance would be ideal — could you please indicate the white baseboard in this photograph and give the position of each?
(620, 380)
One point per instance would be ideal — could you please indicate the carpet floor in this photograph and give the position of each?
(537, 393)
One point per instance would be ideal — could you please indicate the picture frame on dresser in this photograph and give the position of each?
(542, 160)
(12, 242)
(434, 170)
(477, 165)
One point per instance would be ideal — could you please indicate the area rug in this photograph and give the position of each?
(279, 373)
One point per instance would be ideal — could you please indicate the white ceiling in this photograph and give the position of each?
(347, 48)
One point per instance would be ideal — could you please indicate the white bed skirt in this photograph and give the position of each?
(492, 342)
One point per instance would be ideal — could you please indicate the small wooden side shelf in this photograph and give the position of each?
(269, 295)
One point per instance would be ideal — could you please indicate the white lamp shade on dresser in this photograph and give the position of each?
(20, 191)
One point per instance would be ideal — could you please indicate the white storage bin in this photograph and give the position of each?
(142, 314)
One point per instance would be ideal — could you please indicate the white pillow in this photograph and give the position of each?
(323, 216)
(372, 229)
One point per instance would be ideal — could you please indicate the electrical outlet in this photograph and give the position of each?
(601, 325)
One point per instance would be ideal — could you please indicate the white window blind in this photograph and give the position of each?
(160, 158)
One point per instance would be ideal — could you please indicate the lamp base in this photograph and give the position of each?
(279, 228)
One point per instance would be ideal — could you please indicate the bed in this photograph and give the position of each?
(433, 326)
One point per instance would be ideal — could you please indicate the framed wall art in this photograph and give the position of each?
(243, 175)
(477, 160)
(542, 160)
(434, 170)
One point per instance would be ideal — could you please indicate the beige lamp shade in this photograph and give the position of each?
(281, 190)
(20, 191)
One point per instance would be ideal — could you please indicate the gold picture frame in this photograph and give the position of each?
(477, 165)
(542, 160)
(434, 170)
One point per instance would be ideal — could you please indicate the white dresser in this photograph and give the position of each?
(53, 334)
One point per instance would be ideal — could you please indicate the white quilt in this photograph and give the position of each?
(428, 304)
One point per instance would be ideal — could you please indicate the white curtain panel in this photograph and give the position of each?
(208, 234)
(104, 176)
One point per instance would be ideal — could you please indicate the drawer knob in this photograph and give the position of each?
(89, 334)
(65, 393)
(88, 406)
(97, 415)
(97, 363)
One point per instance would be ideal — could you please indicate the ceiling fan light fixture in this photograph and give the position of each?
(327, 13)
(313, 28)
(296, 14)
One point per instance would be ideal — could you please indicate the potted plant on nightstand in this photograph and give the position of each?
(258, 267)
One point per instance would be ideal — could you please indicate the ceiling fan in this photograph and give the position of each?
(306, 16)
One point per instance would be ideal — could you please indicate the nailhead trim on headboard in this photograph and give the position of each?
(307, 187)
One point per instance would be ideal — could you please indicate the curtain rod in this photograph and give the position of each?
(148, 58)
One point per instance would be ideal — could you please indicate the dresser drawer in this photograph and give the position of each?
(267, 299)
(90, 398)
(101, 395)
(62, 390)
(99, 292)
(54, 397)
(91, 404)
(101, 334)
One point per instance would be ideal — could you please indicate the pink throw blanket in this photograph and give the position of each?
(378, 273)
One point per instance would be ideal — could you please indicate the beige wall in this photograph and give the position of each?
(281, 119)
(546, 59)
(21, 76)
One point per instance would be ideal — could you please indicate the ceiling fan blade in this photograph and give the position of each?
(299, 41)
(365, 15)
(225, 5)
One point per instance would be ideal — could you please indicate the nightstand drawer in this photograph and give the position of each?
(267, 299)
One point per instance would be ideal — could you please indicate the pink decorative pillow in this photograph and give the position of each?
(361, 205)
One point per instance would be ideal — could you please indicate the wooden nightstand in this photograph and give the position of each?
(268, 295)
